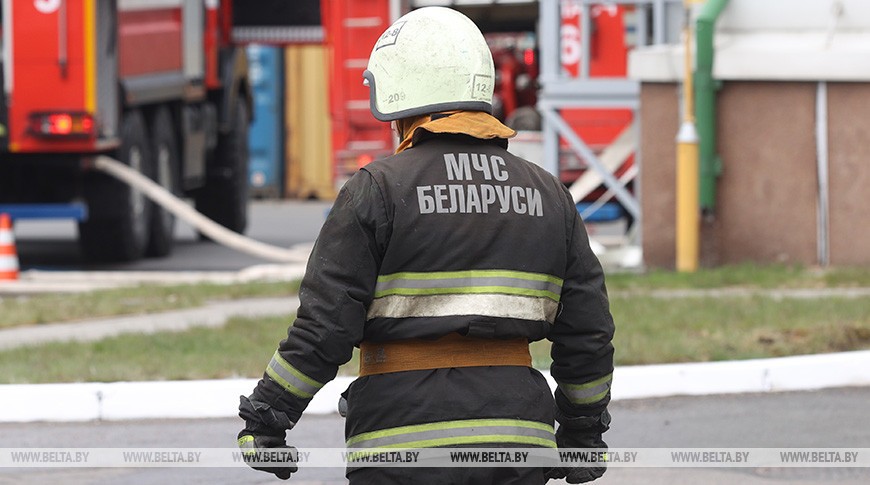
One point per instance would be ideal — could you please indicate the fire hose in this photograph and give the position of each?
(188, 214)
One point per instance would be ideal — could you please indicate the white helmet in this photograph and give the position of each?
(431, 59)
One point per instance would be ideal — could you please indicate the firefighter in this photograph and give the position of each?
(441, 263)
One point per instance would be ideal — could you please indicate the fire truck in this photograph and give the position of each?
(156, 84)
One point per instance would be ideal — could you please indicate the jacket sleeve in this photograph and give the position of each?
(582, 351)
(334, 297)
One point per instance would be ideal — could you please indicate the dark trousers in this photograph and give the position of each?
(409, 398)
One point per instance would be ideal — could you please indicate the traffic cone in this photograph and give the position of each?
(8, 255)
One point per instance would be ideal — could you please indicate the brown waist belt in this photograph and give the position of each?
(453, 350)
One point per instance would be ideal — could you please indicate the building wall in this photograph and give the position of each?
(849, 172)
(659, 122)
(767, 194)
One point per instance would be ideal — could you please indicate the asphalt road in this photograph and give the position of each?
(830, 418)
(52, 245)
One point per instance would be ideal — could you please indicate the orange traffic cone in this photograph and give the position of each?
(8, 255)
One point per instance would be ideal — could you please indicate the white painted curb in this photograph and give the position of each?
(798, 373)
(220, 398)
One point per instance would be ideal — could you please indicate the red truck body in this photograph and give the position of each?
(157, 84)
(351, 29)
(41, 77)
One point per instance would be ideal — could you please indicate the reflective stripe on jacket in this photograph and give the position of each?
(459, 432)
(488, 292)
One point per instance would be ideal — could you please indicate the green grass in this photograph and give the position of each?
(33, 310)
(241, 348)
(658, 330)
(653, 330)
(743, 275)
(649, 330)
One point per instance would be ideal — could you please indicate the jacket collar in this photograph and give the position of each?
(475, 124)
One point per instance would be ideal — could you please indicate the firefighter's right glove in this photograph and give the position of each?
(262, 441)
(582, 432)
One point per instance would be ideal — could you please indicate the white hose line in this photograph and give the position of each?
(203, 224)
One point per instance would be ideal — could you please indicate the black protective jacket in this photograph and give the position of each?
(452, 235)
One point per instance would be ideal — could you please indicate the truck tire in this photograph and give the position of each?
(117, 228)
(164, 149)
(224, 198)
(525, 118)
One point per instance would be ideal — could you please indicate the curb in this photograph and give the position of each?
(219, 398)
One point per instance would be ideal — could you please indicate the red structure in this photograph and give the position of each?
(609, 46)
(351, 29)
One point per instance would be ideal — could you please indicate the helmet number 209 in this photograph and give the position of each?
(396, 97)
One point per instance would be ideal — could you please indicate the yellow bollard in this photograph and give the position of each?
(688, 206)
(688, 171)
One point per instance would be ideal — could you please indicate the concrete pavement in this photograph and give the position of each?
(213, 314)
(35, 282)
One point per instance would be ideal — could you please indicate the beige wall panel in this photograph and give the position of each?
(766, 200)
(849, 173)
(308, 135)
(659, 121)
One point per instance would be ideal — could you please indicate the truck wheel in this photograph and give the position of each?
(119, 217)
(224, 198)
(164, 149)
(525, 118)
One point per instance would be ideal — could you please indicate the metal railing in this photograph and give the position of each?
(655, 22)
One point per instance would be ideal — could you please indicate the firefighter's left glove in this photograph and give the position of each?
(581, 433)
(262, 441)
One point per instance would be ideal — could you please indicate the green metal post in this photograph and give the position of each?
(705, 103)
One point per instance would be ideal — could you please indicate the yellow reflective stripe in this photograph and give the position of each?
(90, 57)
(589, 392)
(287, 386)
(446, 433)
(477, 273)
(246, 443)
(462, 423)
(469, 290)
(467, 440)
(290, 378)
(470, 282)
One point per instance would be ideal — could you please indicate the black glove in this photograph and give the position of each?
(584, 432)
(262, 441)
